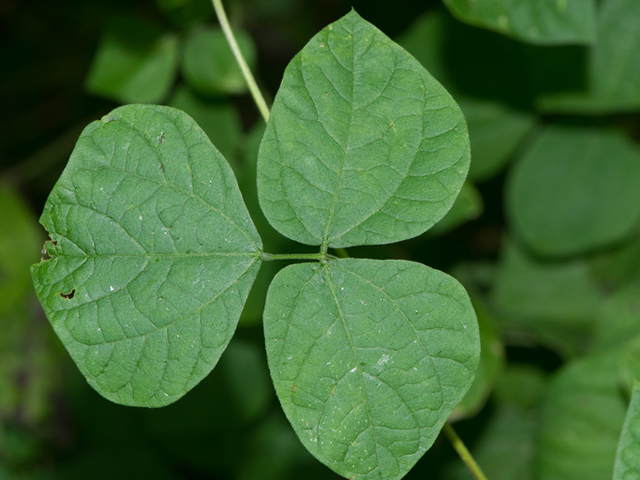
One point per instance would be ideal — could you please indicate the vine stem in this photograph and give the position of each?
(231, 39)
(463, 452)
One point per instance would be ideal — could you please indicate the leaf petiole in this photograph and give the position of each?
(268, 257)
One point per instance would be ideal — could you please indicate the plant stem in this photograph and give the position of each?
(460, 447)
(253, 86)
(268, 257)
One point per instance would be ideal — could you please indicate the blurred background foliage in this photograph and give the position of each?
(545, 234)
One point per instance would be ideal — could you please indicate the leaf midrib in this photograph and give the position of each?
(334, 199)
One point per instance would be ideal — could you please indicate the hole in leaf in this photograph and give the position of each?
(69, 295)
(44, 250)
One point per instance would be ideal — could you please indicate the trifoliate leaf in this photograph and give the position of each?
(153, 255)
(363, 146)
(369, 358)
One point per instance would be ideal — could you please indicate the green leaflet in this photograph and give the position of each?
(627, 465)
(363, 147)
(135, 62)
(369, 358)
(495, 130)
(153, 255)
(575, 190)
(545, 22)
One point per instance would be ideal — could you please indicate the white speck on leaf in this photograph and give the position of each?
(111, 288)
(384, 359)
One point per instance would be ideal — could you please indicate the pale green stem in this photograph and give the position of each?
(267, 257)
(253, 86)
(463, 452)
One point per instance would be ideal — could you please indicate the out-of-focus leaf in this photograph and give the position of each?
(492, 361)
(471, 62)
(272, 451)
(29, 368)
(220, 121)
(619, 266)
(368, 359)
(484, 64)
(424, 39)
(247, 375)
(207, 428)
(576, 189)
(627, 465)
(468, 206)
(612, 82)
(582, 417)
(495, 129)
(546, 22)
(185, 13)
(114, 461)
(505, 450)
(208, 65)
(363, 146)
(135, 63)
(521, 386)
(20, 245)
(556, 302)
(629, 366)
(619, 317)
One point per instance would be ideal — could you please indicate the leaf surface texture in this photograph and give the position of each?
(153, 255)
(369, 358)
(363, 146)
